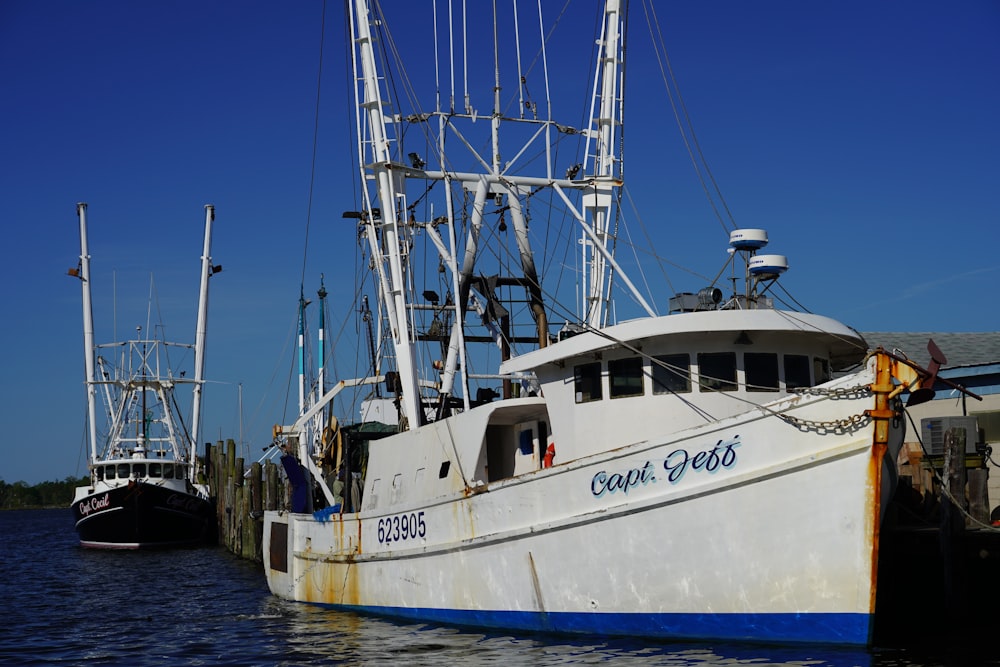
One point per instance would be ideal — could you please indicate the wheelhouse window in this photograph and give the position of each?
(625, 377)
(109, 472)
(717, 371)
(99, 471)
(587, 382)
(821, 369)
(671, 374)
(761, 371)
(139, 469)
(168, 471)
(123, 470)
(796, 371)
(155, 470)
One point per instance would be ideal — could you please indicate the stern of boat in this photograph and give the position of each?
(278, 553)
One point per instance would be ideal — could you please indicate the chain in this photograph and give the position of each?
(857, 391)
(838, 426)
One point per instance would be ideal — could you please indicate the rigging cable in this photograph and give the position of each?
(685, 125)
(312, 166)
(312, 174)
(957, 504)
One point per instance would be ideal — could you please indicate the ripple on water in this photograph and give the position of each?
(65, 605)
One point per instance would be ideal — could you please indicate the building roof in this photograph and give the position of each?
(960, 349)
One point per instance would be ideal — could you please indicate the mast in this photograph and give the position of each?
(199, 344)
(143, 385)
(239, 401)
(320, 389)
(391, 197)
(320, 382)
(366, 317)
(598, 198)
(302, 352)
(88, 331)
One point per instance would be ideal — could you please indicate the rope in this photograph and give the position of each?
(945, 491)
(312, 166)
(684, 124)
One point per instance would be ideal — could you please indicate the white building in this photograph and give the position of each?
(973, 362)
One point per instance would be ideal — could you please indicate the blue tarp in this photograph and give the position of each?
(297, 479)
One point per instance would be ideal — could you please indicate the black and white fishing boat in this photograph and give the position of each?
(143, 489)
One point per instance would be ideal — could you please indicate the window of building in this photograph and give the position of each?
(717, 371)
(796, 371)
(625, 377)
(989, 424)
(587, 382)
(671, 374)
(761, 371)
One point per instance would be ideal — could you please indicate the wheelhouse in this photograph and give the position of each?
(146, 470)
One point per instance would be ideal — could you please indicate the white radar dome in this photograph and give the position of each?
(768, 266)
(748, 239)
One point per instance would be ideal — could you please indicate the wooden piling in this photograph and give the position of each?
(979, 502)
(242, 495)
(952, 526)
(256, 532)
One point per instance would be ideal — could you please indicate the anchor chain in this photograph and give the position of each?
(857, 391)
(844, 425)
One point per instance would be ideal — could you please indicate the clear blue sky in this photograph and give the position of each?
(863, 136)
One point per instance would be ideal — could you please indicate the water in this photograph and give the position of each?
(60, 604)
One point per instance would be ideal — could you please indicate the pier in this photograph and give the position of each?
(242, 494)
(938, 551)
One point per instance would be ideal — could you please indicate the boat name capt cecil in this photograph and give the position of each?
(95, 504)
(676, 465)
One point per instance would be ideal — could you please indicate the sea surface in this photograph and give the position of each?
(61, 604)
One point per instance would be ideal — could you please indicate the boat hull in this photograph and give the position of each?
(747, 529)
(140, 515)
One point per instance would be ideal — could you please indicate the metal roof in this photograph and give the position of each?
(960, 349)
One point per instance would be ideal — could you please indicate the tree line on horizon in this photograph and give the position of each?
(21, 495)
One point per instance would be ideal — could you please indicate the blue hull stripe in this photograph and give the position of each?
(827, 628)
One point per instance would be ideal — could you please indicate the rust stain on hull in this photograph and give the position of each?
(331, 577)
(883, 415)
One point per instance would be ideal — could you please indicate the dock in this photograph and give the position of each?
(242, 494)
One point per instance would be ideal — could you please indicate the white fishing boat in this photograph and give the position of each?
(144, 490)
(716, 471)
